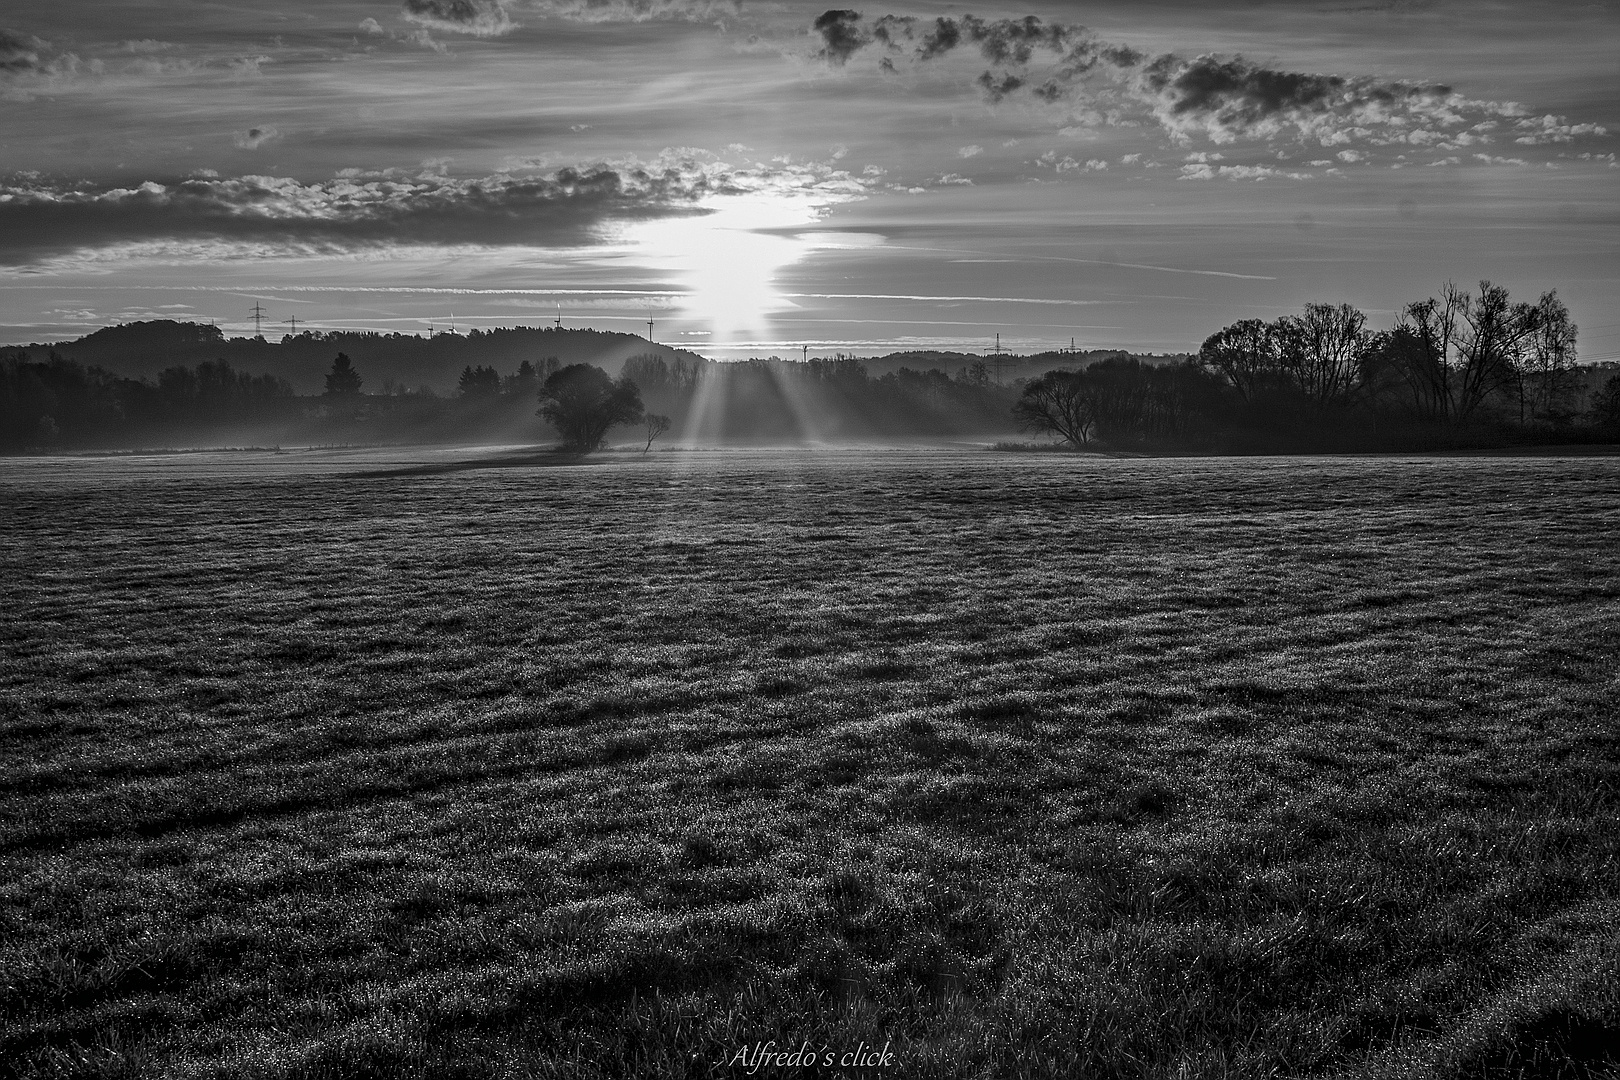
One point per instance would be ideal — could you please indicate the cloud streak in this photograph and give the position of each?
(635, 11)
(566, 208)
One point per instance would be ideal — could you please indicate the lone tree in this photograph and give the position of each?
(342, 380)
(582, 403)
(1061, 402)
(657, 424)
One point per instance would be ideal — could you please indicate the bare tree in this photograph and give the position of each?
(1060, 402)
(1322, 351)
(657, 424)
(1547, 377)
(1457, 352)
(1247, 353)
(1420, 350)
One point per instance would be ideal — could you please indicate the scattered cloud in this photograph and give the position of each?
(999, 86)
(1239, 172)
(1553, 129)
(21, 52)
(479, 18)
(969, 151)
(1221, 98)
(253, 138)
(611, 11)
(841, 35)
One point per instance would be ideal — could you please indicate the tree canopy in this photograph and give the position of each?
(582, 402)
(342, 380)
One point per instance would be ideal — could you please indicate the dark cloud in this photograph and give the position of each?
(891, 30)
(1222, 98)
(999, 86)
(1239, 89)
(1230, 97)
(20, 52)
(481, 18)
(841, 34)
(946, 35)
(1001, 41)
(253, 138)
(39, 220)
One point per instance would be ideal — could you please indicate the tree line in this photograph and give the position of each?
(1462, 367)
(54, 401)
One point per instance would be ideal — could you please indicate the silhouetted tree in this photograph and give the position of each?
(1605, 410)
(976, 375)
(657, 424)
(342, 380)
(1457, 352)
(582, 403)
(524, 383)
(1060, 402)
(1322, 351)
(1247, 353)
(479, 382)
(1548, 379)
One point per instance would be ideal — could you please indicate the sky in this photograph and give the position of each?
(778, 178)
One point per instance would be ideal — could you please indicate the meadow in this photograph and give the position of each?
(388, 764)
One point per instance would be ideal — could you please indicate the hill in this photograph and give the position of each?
(1005, 368)
(143, 349)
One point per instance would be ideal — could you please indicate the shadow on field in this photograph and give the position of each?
(526, 459)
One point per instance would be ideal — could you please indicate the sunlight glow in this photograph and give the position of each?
(727, 260)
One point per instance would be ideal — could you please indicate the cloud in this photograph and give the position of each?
(480, 18)
(1553, 129)
(1221, 98)
(841, 35)
(21, 52)
(1000, 41)
(1203, 171)
(1226, 98)
(253, 138)
(30, 65)
(40, 221)
(997, 87)
(606, 11)
(1011, 43)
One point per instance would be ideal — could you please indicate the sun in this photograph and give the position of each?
(727, 260)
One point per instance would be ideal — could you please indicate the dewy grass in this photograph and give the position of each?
(1019, 765)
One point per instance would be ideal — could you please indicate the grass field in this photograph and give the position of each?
(368, 764)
